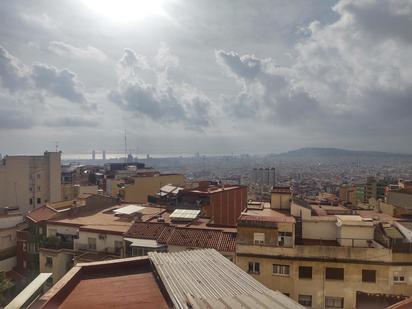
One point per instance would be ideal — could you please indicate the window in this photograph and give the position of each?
(285, 239)
(332, 273)
(368, 275)
(38, 189)
(334, 302)
(305, 300)
(24, 264)
(31, 201)
(254, 267)
(305, 272)
(49, 261)
(38, 176)
(259, 238)
(398, 277)
(24, 247)
(91, 243)
(38, 200)
(281, 270)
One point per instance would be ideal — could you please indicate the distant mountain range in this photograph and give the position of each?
(318, 152)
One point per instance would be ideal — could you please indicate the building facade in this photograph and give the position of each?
(29, 182)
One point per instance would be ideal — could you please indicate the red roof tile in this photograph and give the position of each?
(41, 214)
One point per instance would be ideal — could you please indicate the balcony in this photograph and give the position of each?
(91, 247)
(56, 244)
(318, 251)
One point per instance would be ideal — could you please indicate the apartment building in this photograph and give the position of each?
(29, 182)
(324, 258)
(222, 203)
(10, 222)
(139, 187)
(89, 236)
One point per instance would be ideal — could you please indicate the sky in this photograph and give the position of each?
(215, 77)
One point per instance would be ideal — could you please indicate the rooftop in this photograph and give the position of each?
(206, 279)
(41, 214)
(105, 220)
(121, 283)
(186, 279)
(163, 233)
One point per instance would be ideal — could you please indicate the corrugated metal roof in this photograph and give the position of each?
(206, 279)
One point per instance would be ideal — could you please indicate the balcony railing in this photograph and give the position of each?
(57, 245)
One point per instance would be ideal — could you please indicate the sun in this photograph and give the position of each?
(126, 10)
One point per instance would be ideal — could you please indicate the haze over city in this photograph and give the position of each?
(213, 77)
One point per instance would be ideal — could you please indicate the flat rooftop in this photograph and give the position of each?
(122, 283)
(105, 220)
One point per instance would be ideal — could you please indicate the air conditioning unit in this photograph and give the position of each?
(102, 236)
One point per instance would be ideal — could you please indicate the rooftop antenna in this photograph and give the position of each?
(56, 145)
(125, 146)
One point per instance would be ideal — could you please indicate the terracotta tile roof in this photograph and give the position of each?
(145, 230)
(41, 214)
(184, 236)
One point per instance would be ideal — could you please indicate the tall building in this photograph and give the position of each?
(93, 155)
(28, 182)
(104, 155)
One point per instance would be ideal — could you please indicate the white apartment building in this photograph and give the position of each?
(28, 182)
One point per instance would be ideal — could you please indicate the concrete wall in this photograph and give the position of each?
(318, 287)
(30, 177)
(280, 201)
(323, 228)
(357, 236)
(300, 211)
(145, 186)
(61, 262)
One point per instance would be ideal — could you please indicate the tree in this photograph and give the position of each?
(5, 285)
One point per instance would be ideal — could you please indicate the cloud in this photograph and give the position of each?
(13, 115)
(71, 121)
(344, 76)
(87, 53)
(40, 77)
(165, 101)
(13, 74)
(61, 83)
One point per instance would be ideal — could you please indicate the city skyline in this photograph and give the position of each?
(211, 77)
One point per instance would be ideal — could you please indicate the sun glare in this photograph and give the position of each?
(126, 10)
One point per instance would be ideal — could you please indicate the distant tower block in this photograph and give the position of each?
(104, 155)
(93, 155)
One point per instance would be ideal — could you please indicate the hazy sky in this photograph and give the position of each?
(210, 76)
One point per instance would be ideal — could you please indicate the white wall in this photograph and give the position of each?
(102, 244)
(61, 229)
(319, 229)
(359, 234)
